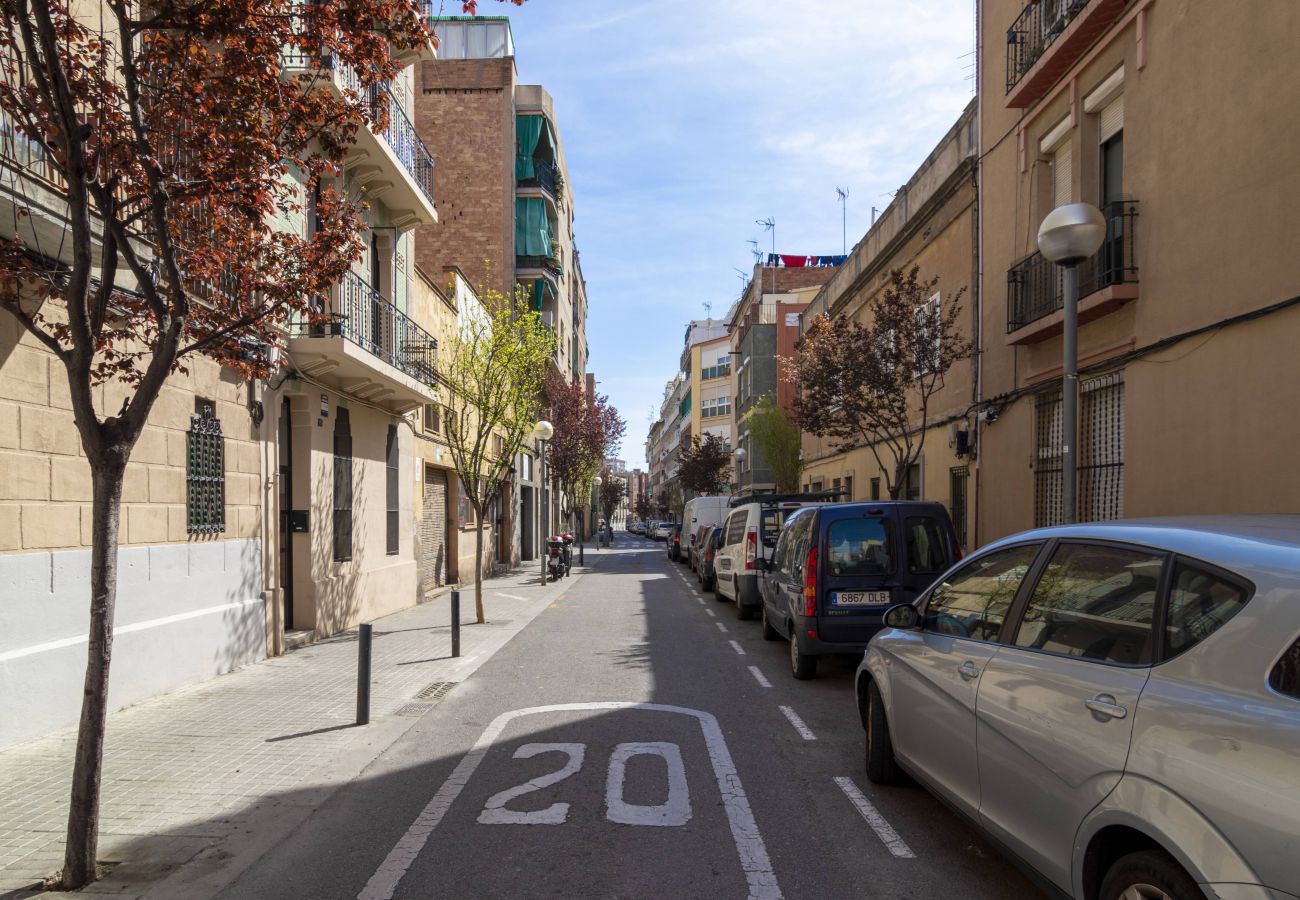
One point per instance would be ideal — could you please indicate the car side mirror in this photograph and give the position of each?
(904, 615)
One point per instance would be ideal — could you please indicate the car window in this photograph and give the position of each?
(1285, 677)
(1199, 603)
(773, 519)
(1094, 602)
(860, 546)
(973, 601)
(927, 544)
(735, 528)
(794, 534)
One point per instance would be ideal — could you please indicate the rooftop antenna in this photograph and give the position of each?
(769, 224)
(843, 193)
(708, 310)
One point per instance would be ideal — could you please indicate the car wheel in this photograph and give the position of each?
(1148, 875)
(881, 766)
(802, 666)
(769, 633)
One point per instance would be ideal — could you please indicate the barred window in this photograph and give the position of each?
(431, 416)
(1100, 454)
(205, 471)
(392, 490)
(342, 486)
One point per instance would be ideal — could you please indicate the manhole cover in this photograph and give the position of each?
(436, 691)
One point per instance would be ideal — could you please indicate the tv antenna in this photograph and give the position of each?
(843, 194)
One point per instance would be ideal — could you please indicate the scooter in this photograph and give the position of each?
(568, 552)
(555, 557)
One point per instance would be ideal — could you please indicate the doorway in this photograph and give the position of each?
(286, 510)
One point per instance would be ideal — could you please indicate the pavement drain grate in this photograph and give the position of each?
(414, 709)
(436, 691)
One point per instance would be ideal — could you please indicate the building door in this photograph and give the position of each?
(286, 510)
(527, 523)
(433, 531)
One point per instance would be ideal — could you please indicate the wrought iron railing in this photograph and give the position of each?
(550, 263)
(401, 137)
(364, 317)
(1039, 24)
(543, 177)
(1034, 285)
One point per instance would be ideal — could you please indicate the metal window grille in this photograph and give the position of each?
(205, 474)
(391, 490)
(1101, 452)
(342, 486)
(957, 482)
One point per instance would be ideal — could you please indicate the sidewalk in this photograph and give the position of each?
(189, 768)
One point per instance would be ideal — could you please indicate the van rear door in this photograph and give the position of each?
(859, 565)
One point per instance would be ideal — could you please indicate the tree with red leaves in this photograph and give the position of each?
(705, 465)
(587, 430)
(179, 139)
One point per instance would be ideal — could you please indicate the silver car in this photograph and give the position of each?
(1116, 705)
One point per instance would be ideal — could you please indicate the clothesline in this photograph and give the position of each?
(790, 261)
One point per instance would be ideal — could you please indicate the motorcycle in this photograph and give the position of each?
(567, 537)
(555, 557)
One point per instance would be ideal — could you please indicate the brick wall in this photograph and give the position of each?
(45, 493)
(464, 112)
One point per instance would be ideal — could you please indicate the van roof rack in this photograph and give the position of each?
(770, 498)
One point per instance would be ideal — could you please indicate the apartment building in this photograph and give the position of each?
(931, 224)
(706, 361)
(764, 326)
(255, 516)
(1179, 121)
(507, 214)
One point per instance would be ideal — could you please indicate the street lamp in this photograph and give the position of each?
(596, 483)
(740, 466)
(1069, 235)
(542, 431)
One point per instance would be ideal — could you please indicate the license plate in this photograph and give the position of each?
(859, 598)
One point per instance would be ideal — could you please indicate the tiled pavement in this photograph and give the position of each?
(188, 770)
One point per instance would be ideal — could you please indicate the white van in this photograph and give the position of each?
(749, 535)
(699, 514)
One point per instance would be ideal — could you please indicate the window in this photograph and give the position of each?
(736, 528)
(1094, 602)
(875, 489)
(1101, 452)
(342, 486)
(973, 603)
(927, 545)
(720, 369)
(432, 417)
(929, 325)
(1062, 173)
(1285, 677)
(205, 471)
(912, 483)
(392, 491)
(717, 406)
(1199, 603)
(848, 487)
(860, 546)
(958, 478)
(773, 519)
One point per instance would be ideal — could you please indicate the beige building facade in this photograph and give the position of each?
(1180, 121)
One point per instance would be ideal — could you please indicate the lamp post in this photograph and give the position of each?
(1069, 235)
(595, 489)
(542, 431)
(740, 465)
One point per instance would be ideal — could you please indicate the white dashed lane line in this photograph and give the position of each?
(759, 676)
(804, 731)
(722, 628)
(710, 613)
(740, 651)
(888, 836)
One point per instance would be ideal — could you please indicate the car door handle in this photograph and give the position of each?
(1105, 705)
(968, 670)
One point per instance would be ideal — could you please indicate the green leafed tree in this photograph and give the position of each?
(493, 371)
(777, 438)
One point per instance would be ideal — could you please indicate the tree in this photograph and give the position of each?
(494, 371)
(704, 465)
(587, 430)
(873, 383)
(777, 438)
(613, 488)
(179, 141)
(643, 507)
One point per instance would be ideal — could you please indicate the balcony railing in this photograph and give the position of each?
(362, 316)
(401, 137)
(1034, 285)
(543, 177)
(1040, 23)
(549, 263)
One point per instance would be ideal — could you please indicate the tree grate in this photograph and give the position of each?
(436, 691)
(414, 709)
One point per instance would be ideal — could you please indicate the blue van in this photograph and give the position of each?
(837, 568)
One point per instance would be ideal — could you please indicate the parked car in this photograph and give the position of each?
(699, 513)
(1138, 712)
(838, 567)
(661, 531)
(708, 548)
(750, 534)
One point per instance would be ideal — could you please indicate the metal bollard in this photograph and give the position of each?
(363, 675)
(455, 623)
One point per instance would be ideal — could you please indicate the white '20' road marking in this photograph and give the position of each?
(752, 851)
(676, 810)
(495, 812)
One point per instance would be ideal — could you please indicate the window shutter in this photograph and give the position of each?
(1062, 174)
(1111, 120)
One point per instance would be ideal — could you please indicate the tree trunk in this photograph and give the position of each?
(79, 864)
(478, 570)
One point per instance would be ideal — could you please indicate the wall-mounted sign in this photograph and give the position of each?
(324, 405)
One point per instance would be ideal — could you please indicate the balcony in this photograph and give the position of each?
(543, 177)
(1108, 280)
(1048, 38)
(367, 347)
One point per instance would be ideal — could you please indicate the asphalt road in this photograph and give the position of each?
(635, 741)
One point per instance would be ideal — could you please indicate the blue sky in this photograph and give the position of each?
(684, 121)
